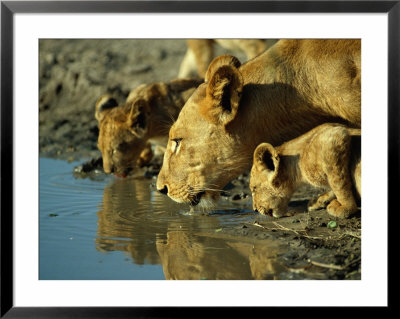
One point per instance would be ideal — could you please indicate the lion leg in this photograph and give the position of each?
(335, 156)
(188, 65)
(321, 201)
(340, 181)
(145, 156)
(203, 52)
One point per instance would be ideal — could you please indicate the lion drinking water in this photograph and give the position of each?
(328, 156)
(125, 132)
(286, 91)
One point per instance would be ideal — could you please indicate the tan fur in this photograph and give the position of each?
(328, 156)
(125, 132)
(200, 52)
(291, 88)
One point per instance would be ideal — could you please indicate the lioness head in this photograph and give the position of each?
(269, 182)
(203, 154)
(149, 111)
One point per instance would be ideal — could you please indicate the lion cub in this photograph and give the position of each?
(126, 131)
(327, 156)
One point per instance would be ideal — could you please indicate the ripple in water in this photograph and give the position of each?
(124, 229)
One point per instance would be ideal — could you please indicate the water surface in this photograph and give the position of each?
(110, 228)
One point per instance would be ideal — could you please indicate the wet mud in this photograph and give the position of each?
(74, 73)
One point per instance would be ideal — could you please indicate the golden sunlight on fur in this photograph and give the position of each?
(126, 132)
(328, 156)
(286, 91)
(200, 52)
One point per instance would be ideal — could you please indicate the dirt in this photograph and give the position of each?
(74, 73)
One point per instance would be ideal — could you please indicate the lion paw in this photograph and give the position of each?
(316, 204)
(338, 210)
(320, 202)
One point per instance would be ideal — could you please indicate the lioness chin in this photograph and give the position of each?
(328, 156)
(127, 131)
(279, 95)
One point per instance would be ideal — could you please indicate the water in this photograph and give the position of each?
(111, 228)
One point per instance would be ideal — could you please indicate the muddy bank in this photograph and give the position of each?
(74, 73)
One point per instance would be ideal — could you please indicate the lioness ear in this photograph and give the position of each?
(103, 103)
(219, 61)
(223, 93)
(266, 158)
(138, 118)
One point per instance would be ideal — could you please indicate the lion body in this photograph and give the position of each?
(328, 156)
(286, 91)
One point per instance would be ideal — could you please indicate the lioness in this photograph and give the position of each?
(279, 95)
(200, 52)
(328, 156)
(125, 131)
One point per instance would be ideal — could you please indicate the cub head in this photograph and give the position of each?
(122, 133)
(269, 183)
(204, 151)
(149, 111)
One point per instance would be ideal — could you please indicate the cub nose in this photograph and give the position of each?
(108, 169)
(164, 190)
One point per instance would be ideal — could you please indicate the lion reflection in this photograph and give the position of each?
(149, 228)
(187, 256)
(126, 207)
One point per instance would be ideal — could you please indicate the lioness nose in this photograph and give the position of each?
(164, 190)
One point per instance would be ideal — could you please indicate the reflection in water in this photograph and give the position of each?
(124, 222)
(206, 257)
(152, 229)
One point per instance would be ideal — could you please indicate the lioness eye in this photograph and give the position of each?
(177, 142)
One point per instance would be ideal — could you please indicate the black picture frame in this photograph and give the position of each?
(9, 8)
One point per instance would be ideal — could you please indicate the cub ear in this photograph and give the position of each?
(266, 158)
(103, 104)
(133, 94)
(138, 117)
(180, 90)
(223, 92)
(184, 87)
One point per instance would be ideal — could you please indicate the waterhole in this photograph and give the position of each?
(109, 228)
